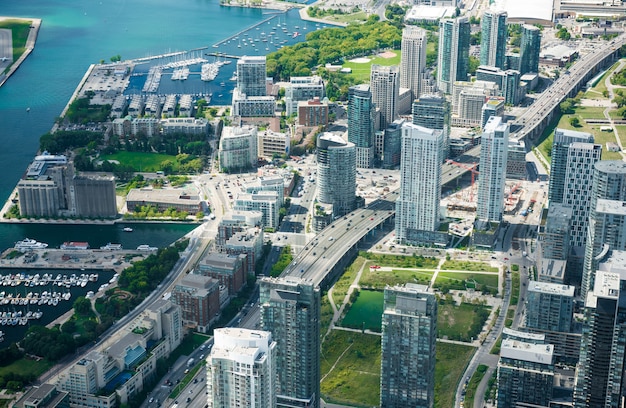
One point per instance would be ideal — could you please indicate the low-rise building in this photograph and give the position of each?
(313, 112)
(229, 270)
(271, 143)
(163, 199)
(268, 202)
(199, 299)
(188, 126)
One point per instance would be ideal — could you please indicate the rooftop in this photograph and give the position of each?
(534, 353)
(551, 288)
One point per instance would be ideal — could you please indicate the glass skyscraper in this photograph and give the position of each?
(494, 34)
(453, 57)
(361, 124)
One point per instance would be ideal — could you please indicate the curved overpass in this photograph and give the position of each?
(534, 120)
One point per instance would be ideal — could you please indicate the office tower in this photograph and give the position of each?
(336, 173)
(385, 88)
(607, 217)
(409, 337)
(525, 374)
(493, 157)
(494, 106)
(600, 371)
(241, 369)
(413, 59)
(529, 49)
(558, 167)
(494, 35)
(361, 124)
(550, 306)
(417, 207)
(392, 144)
(433, 112)
(251, 75)
(581, 158)
(453, 57)
(290, 310)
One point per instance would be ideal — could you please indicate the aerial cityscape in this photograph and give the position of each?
(314, 204)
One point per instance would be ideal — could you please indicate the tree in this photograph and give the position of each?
(82, 306)
(574, 121)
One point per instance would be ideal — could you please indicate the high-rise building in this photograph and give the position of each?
(433, 112)
(508, 82)
(392, 144)
(385, 89)
(525, 374)
(550, 306)
(290, 310)
(361, 124)
(491, 180)
(417, 207)
(600, 372)
(529, 49)
(409, 337)
(412, 59)
(493, 107)
(336, 173)
(607, 217)
(241, 369)
(453, 57)
(494, 35)
(238, 148)
(554, 238)
(558, 166)
(251, 75)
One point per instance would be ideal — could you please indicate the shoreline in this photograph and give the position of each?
(30, 44)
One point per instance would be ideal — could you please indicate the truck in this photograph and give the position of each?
(190, 362)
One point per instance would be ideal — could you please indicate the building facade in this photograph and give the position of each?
(493, 39)
(530, 48)
(412, 59)
(385, 89)
(409, 337)
(336, 173)
(550, 306)
(302, 89)
(238, 148)
(251, 75)
(558, 164)
(433, 112)
(453, 57)
(199, 299)
(361, 124)
(491, 180)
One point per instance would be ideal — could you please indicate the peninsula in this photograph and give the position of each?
(17, 41)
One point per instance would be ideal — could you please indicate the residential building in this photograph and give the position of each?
(43, 396)
(558, 163)
(530, 48)
(525, 374)
(412, 59)
(516, 160)
(272, 144)
(241, 369)
(494, 106)
(392, 144)
(385, 89)
(600, 371)
(238, 148)
(188, 126)
(361, 124)
(508, 82)
(313, 112)
(235, 222)
(301, 89)
(417, 207)
(290, 310)
(251, 75)
(252, 106)
(274, 183)
(453, 57)
(336, 173)
(433, 112)
(493, 39)
(554, 237)
(493, 158)
(268, 202)
(409, 337)
(607, 217)
(249, 243)
(229, 270)
(199, 299)
(549, 306)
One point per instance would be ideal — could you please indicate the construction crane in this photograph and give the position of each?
(471, 167)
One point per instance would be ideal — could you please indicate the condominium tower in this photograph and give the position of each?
(409, 337)
(491, 180)
(251, 75)
(494, 34)
(290, 310)
(413, 59)
(417, 207)
(453, 57)
(550, 306)
(529, 49)
(241, 369)
(385, 88)
(336, 173)
(600, 373)
(433, 111)
(361, 124)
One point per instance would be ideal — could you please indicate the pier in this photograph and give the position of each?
(222, 55)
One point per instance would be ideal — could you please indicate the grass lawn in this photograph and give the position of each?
(4, 403)
(401, 261)
(515, 284)
(355, 380)
(326, 314)
(375, 278)
(348, 18)
(468, 266)
(20, 30)
(366, 312)
(340, 289)
(362, 71)
(461, 322)
(451, 362)
(26, 367)
(600, 87)
(482, 279)
(140, 161)
(590, 112)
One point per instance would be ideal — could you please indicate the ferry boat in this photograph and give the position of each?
(146, 248)
(28, 244)
(127, 229)
(111, 247)
(71, 245)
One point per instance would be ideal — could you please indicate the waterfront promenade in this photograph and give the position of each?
(30, 45)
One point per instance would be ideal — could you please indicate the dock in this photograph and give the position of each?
(222, 55)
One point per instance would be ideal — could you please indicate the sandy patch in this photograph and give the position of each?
(360, 60)
(387, 54)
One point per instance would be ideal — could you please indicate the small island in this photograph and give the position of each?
(17, 41)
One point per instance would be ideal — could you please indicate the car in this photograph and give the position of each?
(188, 399)
(186, 372)
(151, 400)
(331, 238)
(371, 218)
(506, 259)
